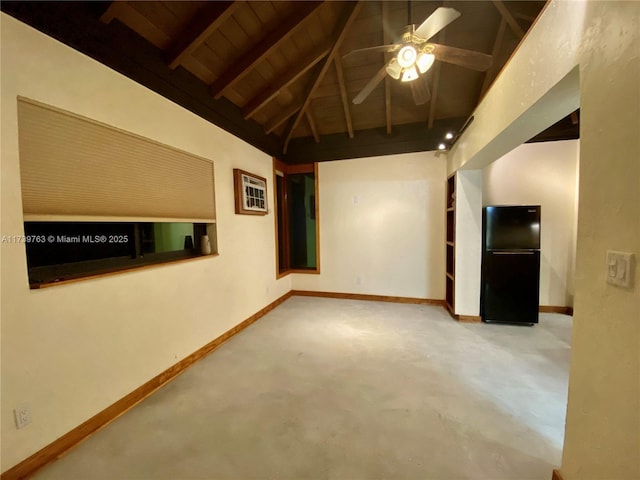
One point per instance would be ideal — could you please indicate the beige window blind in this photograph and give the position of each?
(76, 168)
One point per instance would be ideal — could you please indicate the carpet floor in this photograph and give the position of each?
(345, 389)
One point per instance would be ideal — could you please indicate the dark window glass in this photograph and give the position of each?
(302, 223)
(65, 250)
(51, 243)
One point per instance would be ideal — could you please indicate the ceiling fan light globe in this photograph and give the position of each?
(407, 56)
(425, 61)
(394, 69)
(410, 74)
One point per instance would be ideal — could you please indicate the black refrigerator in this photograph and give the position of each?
(510, 264)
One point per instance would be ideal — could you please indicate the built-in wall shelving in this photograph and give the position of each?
(450, 243)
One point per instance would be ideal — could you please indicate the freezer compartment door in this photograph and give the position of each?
(510, 286)
(511, 228)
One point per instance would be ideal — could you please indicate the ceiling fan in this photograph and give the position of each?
(416, 56)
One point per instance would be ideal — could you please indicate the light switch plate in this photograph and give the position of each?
(620, 268)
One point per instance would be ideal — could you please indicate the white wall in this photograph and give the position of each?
(72, 350)
(468, 242)
(392, 238)
(598, 43)
(543, 174)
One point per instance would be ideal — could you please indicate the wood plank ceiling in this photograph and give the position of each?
(273, 72)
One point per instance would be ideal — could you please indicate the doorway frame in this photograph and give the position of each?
(281, 169)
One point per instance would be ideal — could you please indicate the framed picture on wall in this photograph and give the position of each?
(250, 193)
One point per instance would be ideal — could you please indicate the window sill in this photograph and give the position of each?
(78, 277)
(308, 271)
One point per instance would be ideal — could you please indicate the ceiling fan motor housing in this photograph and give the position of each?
(408, 34)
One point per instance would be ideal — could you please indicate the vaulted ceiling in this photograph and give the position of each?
(274, 73)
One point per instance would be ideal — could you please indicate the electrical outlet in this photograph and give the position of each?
(22, 414)
(358, 281)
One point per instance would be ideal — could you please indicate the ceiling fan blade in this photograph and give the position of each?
(464, 58)
(368, 88)
(439, 19)
(420, 90)
(380, 48)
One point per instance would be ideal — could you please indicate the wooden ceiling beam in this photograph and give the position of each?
(387, 103)
(436, 83)
(283, 117)
(265, 46)
(343, 95)
(434, 95)
(351, 12)
(497, 45)
(386, 40)
(133, 19)
(522, 16)
(114, 11)
(506, 15)
(267, 95)
(206, 21)
(413, 137)
(312, 125)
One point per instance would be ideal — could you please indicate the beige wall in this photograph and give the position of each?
(71, 350)
(543, 174)
(468, 242)
(392, 239)
(69, 353)
(599, 44)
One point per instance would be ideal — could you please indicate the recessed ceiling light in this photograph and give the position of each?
(442, 146)
(449, 136)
